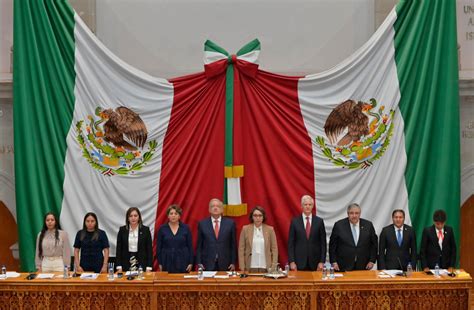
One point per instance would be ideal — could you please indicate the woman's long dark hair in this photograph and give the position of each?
(57, 227)
(95, 236)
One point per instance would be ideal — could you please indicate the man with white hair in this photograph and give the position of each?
(307, 239)
(353, 243)
(216, 245)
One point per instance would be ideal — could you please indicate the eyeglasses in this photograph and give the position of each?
(257, 215)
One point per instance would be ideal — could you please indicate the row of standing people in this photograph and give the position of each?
(353, 243)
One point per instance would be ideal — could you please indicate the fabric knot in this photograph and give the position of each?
(232, 59)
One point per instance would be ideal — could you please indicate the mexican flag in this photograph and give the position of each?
(92, 133)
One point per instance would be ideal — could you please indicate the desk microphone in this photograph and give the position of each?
(401, 267)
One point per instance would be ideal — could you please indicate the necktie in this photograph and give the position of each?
(308, 227)
(440, 238)
(354, 234)
(399, 237)
(216, 228)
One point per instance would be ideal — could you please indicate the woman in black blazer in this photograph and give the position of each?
(134, 239)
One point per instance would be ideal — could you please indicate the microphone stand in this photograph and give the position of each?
(404, 274)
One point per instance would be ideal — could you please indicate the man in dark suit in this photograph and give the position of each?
(353, 242)
(397, 244)
(216, 245)
(307, 239)
(438, 245)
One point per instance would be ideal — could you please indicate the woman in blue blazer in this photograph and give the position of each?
(174, 243)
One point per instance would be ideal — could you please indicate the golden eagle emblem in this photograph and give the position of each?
(121, 123)
(116, 142)
(357, 135)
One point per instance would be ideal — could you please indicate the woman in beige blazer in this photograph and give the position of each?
(258, 250)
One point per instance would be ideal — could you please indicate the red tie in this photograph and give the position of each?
(440, 236)
(216, 228)
(308, 227)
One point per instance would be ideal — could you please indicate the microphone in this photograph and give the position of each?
(401, 267)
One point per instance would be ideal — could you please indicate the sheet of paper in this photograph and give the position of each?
(393, 272)
(190, 276)
(12, 274)
(441, 272)
(209, 274)
(89, 276)
(45, 276)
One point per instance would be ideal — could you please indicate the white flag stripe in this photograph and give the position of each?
(369, 73)
(250, 56)
(210, 57)
(233, 191)
(115, 84)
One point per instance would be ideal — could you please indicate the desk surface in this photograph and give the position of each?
(295, 277)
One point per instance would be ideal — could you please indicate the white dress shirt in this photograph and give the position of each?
(396, 231)
(214, 222)
(133, 240)
(440, 240)
(258, 249)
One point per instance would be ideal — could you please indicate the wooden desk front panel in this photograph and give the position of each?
(295, 292)
(77, 294)
(302, 290)
(364, 290)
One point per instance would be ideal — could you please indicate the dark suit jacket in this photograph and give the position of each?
(145, 252)
(209, 248)
(431, 253)
(348, 255)
(391, 255)
(307, 253)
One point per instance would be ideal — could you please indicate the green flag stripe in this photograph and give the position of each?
(210, 46)
(229, 114)
(43, 91)
(249, 47)
(426, 57)
(229, 99)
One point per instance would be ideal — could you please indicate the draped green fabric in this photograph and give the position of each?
(43, 89)
(426, 57)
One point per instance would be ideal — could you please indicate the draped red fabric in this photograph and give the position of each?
(270, 141)
(193, 149)
(275, 148)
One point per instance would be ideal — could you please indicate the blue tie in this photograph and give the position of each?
(399, 237)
